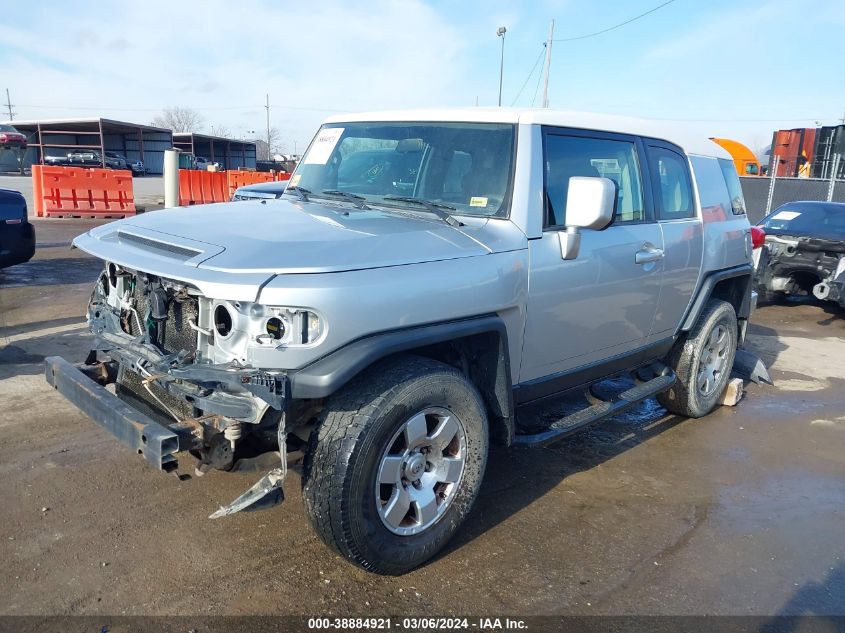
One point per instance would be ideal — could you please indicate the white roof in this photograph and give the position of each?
(672, 131)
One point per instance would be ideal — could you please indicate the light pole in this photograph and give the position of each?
(500, 32)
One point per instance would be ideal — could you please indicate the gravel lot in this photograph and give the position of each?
(742, 512)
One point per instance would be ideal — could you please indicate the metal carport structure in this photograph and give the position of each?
(57, 137)
(230, 153)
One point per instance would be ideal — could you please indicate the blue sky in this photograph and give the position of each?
(721, 68)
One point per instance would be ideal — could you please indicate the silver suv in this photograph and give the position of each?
(424, 275)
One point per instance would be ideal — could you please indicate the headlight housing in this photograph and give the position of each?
(237, 325)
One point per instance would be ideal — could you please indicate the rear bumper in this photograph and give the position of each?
(155, 442)
(17, 243)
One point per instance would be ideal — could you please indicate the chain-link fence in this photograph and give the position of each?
(764, 194)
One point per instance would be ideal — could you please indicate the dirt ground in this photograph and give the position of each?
(742, 512)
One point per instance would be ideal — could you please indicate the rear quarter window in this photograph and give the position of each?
(733, 185)
(712, 189)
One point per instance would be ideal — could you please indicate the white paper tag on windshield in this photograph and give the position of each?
(840, 269)
(786, 215)
(323, 146)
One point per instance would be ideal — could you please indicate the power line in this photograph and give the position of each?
(9, 106)
(804, 120)
(202, 109)
(528, 78)
(616, 26)
(537, 88)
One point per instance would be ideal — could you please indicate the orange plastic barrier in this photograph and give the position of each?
(62, 192)
(202, 187)
(241, 178)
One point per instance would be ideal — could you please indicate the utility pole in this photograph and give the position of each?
(9, 106)
(501, 33)
(548, 64)
(269, 151)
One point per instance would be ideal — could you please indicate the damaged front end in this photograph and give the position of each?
(802, 266)
(170, 373)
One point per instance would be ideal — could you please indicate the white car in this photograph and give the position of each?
(202, 163)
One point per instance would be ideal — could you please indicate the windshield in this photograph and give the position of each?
(464, 166)
(7, 128)
(823, 221)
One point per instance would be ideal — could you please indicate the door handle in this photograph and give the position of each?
(648, 254)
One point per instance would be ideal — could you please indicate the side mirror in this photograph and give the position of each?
(590, 204)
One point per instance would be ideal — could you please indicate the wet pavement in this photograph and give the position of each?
(742, 512)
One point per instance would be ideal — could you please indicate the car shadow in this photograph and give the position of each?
(24, 356)
(51, 272)
(764, 342)
(822, 601)
(834, 310)
(523, 475)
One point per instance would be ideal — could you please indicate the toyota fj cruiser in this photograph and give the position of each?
(424, 275)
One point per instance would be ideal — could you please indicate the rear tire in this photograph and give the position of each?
(703, 362)
(395, 463)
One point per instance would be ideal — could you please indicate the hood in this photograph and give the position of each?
(278, 237)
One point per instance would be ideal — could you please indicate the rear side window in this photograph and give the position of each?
(734, 187)
(712, 189)
(568, 156)
(671, 183)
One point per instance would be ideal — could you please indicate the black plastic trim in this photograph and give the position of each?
(556, 384)
(325, 376)
(706, 289)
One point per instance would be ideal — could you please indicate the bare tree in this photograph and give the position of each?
(221, 130)
(263, 151)
(179, 119)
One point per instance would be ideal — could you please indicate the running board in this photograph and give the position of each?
(598, 411)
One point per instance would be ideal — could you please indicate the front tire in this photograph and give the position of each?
(396, 463)
(703, 362)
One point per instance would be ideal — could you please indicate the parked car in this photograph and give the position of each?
(93, 158)
(116, 161)
(137, 167)
(389, 330)
(17, 235)
(10, 138)
(804, 252)
(203, 163)
(56, 160)
(260, 191)
(84, 158)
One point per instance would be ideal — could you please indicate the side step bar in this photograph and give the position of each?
(598, 411)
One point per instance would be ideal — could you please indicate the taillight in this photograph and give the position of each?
(2, 137)
(758, 236)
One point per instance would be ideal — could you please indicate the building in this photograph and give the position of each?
(230, 153)
(58, 137)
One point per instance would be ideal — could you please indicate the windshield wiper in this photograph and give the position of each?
(354, 198)
(437, 208)
(302, 192)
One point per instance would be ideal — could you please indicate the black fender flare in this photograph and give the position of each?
(326, 375)
(705, 291)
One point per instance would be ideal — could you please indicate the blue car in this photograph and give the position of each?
(260, 191)
(17, 235)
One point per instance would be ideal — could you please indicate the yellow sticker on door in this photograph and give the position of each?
(478, 201)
